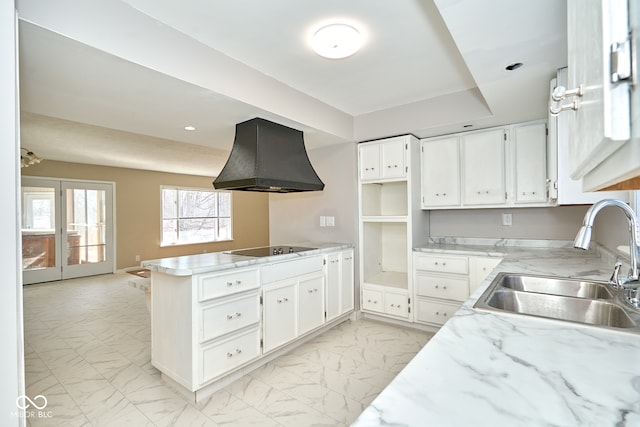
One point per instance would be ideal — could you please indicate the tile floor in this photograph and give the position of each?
(88, 350)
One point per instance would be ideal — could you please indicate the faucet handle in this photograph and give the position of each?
(614, 280)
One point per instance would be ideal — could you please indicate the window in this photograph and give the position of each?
(195, 216)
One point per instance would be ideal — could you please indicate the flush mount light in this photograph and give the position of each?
(466, 126)
(336, 41)
(189, 127)
(514, 66)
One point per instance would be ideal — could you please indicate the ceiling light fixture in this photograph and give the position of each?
(28, 158)
(189, 127)
(514, 66)
(336, 41)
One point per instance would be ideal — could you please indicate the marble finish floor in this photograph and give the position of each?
(88, 351)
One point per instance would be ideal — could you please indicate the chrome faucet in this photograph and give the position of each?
(583, 238)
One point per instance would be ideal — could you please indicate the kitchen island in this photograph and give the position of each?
(498, 369)
(217, 316)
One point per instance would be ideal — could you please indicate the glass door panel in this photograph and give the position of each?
(87, 213)
(83, 246)
(40, 221)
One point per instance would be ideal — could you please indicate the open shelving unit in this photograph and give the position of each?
(391, 224)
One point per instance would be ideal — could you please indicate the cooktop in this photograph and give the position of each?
(269, 251)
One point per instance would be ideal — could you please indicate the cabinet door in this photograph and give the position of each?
(483, 167)
(310, 303)
(346, 282)
(393, 159)
(480, 269)
(440, 170)
(280, 315)
(333, 285)
(372, 300)
(601, 122)
(396, 304)
(369, 161)
(530, 152)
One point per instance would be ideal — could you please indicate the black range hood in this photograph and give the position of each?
(267, 156)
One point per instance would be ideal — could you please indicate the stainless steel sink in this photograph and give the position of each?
(572, 300)
(556, 286)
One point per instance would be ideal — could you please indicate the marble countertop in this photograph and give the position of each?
(498, 369)
(216, 261)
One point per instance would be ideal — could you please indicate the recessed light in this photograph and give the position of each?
(189, 127)
(514, 66)
(336, 41)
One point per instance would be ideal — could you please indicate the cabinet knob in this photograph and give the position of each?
(238, 282)
(229, 316)
(229, 283)
(238, 314)
(310, 291)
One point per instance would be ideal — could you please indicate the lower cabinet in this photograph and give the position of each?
(206, 326)
(442, 282)
(340, 283)
(382, 299)
(279, 315)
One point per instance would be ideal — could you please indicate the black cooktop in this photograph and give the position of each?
(269, 251)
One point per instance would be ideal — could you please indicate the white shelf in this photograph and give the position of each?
(383, 218)
(391, 279)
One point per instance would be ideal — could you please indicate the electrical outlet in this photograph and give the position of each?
(323, 221)
(331, 221)
(137, 257)
(507, 219)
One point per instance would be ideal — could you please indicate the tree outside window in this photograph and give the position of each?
(195, 216)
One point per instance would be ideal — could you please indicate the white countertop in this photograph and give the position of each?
(492, 369)
(215, 261)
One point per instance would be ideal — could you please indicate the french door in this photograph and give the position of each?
(67, 229)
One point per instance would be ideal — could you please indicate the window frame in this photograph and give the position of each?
(177, 218)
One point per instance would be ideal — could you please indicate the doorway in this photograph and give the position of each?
(67, 229)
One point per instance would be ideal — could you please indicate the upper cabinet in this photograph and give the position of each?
(604, 111)
(483, 167)
(496, 167)
(439, 161)
(566, 190)
(380, 161)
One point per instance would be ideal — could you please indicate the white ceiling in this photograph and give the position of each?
(114, 82)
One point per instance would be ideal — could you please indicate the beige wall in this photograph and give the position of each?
(137, 202)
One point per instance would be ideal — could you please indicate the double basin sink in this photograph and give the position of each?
(573, 300)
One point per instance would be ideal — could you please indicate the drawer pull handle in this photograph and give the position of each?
(231, 354)
(231, 316)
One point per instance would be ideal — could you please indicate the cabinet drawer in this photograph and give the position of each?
(446, 287)
(434, 312)
(219, 284)
(222, 356)
(222, 318)
(443, 264)
(396, 304)
(372, 300)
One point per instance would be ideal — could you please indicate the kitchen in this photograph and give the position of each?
(336, 165)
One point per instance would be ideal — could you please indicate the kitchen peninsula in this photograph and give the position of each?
(216, 316)
(491, 369)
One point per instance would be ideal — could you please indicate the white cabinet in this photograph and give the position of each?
(479, 269)
(605, 134)
(529, 160)
(443, 281)
(390, 224)
(380, 161)
(280, 314)
(205, 325)
(293, 299)
(440, 163)
(505, 166)
(310, 303)
(340, 286)
(483, 167)
(569, 191)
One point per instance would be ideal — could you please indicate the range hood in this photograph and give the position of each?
(267, 156)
